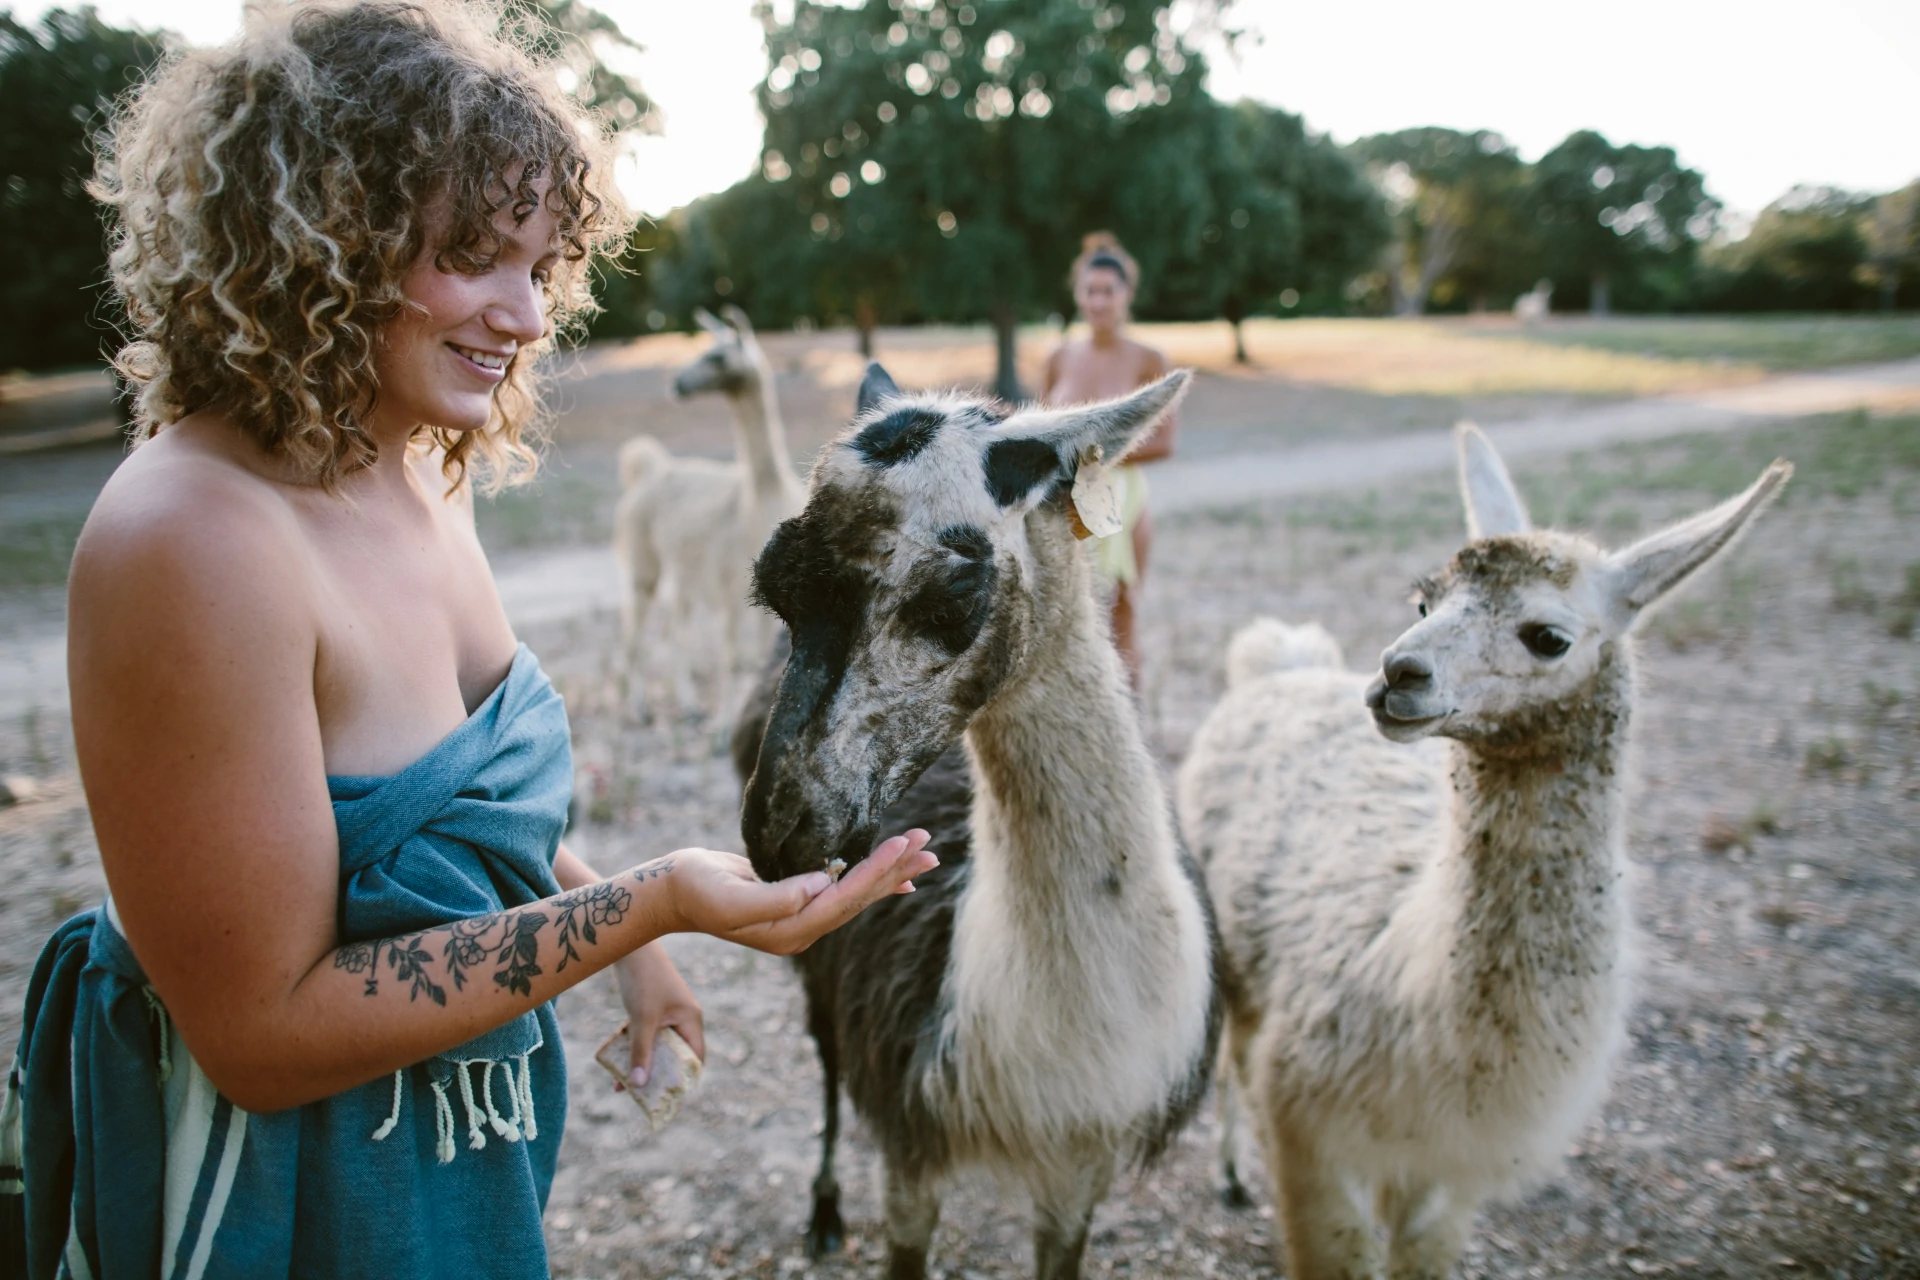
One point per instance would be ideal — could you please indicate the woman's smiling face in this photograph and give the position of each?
(441, 358)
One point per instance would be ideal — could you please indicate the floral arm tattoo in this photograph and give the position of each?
(510, 941)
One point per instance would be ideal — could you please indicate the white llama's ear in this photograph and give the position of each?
(1493, 504)
(734, 316)
(1634, 577)
(1037, 446)
(711, 323)
(874, 388)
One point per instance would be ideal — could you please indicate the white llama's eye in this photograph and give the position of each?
(1544, 641)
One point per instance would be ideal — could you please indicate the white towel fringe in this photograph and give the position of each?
(393, 1116)
(503, 1127)
(528, 1126)
(442, 1122)
(476, 1135)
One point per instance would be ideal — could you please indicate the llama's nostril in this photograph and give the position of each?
(1406, 671)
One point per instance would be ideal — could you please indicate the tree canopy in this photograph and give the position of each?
(1625, 219)
(58, 82)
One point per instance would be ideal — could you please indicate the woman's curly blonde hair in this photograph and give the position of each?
(268, 199)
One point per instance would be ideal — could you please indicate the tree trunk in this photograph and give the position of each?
(864, 319)
(1600, 301)
(1006, 378)
(1239, 344)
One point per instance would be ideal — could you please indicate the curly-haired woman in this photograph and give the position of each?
(310, 1033)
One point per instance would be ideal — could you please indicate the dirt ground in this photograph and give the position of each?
(1763, 1119)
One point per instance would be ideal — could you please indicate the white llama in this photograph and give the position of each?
(686, 530)
(1427, 943)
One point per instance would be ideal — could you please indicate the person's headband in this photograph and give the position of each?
(1119, 268)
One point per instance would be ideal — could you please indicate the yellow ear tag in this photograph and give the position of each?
(1096, 496)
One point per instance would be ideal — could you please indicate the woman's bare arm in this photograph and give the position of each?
(1161, 442)
(192, 649)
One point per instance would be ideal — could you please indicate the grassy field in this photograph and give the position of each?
(1770, 342)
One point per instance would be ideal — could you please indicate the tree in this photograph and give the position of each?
(1627, 217)
(1454, 199)
(585, 47)
(1286, 210)
(58, 82)
(1893, 245)
(1807, 251)
(952, 153)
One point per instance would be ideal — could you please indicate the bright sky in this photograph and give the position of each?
(1758, 96)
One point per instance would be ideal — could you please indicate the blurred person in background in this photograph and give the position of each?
(1105, 364)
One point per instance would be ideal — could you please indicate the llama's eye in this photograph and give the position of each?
(1422, 606)
(1544, 641)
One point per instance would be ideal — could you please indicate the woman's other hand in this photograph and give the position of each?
(656, 996)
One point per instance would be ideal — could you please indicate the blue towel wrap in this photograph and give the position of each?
(118, 1157)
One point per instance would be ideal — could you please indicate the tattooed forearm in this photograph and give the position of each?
(509, 941)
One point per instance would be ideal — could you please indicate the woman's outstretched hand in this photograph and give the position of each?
(718, 893)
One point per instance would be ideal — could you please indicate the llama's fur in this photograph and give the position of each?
(685, 530)
(1427, 941)
(1044, 1005)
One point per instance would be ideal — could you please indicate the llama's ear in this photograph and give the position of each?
(1636, 576)
(711, 323)
(874, 388)
(1493, 504)
(734, 316)
(1038, 446)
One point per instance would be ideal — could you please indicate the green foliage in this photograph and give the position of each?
(585, 48)
(1820, 249)
(58, 82)
(1455, 200)
(1618, 223)
(1288, 210)
(953, 155)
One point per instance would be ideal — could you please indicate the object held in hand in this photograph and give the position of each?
(674, 1075)
(836, 869)
(1096, 497)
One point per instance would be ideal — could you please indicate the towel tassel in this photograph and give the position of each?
(442, 1122)
(504, 1128)
(476, 1136)
(393, 1116)
(528, 1126)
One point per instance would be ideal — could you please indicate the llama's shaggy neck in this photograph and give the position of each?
(1070, 806)
(1080, 932)
(760, 435)
(1532, 874)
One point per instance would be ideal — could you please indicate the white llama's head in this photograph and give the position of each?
(731, 365)
(1514, 628)
(925, 565)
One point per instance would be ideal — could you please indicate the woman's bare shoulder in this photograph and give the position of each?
(186, 525)
(1152, 360)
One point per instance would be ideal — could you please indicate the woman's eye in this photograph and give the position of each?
(1544, 641)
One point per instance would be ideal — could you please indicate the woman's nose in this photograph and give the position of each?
(520, 313)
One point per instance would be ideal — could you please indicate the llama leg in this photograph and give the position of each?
(1233, 1192)
(913, 1210)
(1062, 1212)
(1427, 1228)
(826, 1232)
(1325, 1215)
